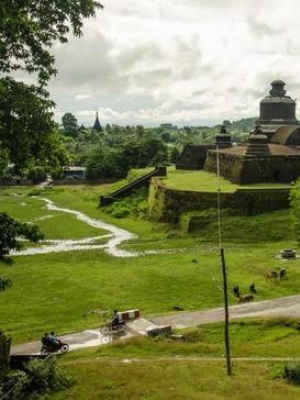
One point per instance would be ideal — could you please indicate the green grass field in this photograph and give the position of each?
(145, 368)
(55, 292)
(175, 378)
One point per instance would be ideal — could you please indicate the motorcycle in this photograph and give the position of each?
(58, 346)
(110, 328)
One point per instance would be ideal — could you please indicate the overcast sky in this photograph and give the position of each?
(187, 62)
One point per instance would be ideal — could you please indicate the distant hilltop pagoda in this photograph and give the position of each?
(97, 126)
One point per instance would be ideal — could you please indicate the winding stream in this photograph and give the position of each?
(115, 238)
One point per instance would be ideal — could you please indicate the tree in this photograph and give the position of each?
(28, 29)
(11, 232)
(27, 130)
(70, 126)
(105, 163)
(174, 155)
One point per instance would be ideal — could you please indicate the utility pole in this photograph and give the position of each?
(224, 274)
(226, 323)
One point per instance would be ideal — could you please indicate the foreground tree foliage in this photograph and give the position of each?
(27, 131)
(11, 233)
(34, 381)
(28, 29)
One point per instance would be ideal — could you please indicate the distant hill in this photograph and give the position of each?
(244, 125)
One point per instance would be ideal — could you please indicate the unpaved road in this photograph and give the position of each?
(285, 307)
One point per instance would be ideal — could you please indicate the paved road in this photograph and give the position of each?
(284, 307)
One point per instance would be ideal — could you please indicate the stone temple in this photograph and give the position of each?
(272, 151)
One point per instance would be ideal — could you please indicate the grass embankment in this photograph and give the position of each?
(145, 368)
(175, 379)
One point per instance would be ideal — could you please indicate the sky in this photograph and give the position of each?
(188, 62)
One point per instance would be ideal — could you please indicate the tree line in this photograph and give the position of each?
(111, 151)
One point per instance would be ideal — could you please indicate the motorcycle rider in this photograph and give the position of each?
(50, 340)
(45, 339)
(116, 320)
(53, 340)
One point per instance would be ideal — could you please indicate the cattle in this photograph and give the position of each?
(245, 298)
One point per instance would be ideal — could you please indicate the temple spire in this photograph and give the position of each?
(97, 126)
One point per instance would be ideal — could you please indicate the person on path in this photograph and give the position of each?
(115, 321)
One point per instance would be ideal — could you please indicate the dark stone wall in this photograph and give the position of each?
(193, 157)
(246, 170)
(166, 205)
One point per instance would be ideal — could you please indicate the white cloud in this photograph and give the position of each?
(172, 61)
(83, 97)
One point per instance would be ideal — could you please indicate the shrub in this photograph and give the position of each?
(17, 386)
(38, 378)
(291, 373)
(5, 342)
(135, 205)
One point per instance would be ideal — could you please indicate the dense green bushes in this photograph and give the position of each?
(135, 205)
(291, 373)
(37, 378)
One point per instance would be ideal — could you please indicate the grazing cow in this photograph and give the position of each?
(272, 275)
(282, 273)
(277, 275)
(245, 298)
(252, 288)
(236, 291)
